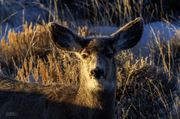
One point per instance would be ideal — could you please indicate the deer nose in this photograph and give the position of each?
(97, 72)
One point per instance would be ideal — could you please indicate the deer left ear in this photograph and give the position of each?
(64, 38)
(128, 35)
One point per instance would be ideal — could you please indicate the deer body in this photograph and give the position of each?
(93, 98)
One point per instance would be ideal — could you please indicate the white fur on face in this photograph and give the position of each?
(92, 61)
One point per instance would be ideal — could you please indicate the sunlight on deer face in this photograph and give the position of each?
(96, 53)
(97, 63)
(97, 58)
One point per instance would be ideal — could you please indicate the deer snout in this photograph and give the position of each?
(97, 73)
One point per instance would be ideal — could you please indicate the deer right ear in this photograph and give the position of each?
(128, 35)
(64, 38)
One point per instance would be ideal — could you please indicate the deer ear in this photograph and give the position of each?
(64, 38)
(128, 35)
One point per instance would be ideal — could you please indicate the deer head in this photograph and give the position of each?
(96, 53)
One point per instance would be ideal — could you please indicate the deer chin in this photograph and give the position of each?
(93, 84)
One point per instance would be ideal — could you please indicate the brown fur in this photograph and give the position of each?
(93, 98)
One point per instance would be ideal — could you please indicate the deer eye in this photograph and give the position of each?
(85, 55)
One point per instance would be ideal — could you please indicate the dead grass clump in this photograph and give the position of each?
(26, 50)
(33, 41)
(167, 55)
(56, 69)
(147, 93)
(126, 64)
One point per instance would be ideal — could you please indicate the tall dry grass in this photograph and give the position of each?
(147, 87)
(23, 45)
(145, 90)
(30, 56)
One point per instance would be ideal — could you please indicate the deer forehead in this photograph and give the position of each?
(97, 42)
(101, 62)
(97, 49)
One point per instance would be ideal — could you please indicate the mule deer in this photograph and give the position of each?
(95, 96)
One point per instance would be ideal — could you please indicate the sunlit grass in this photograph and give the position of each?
(146, 86)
